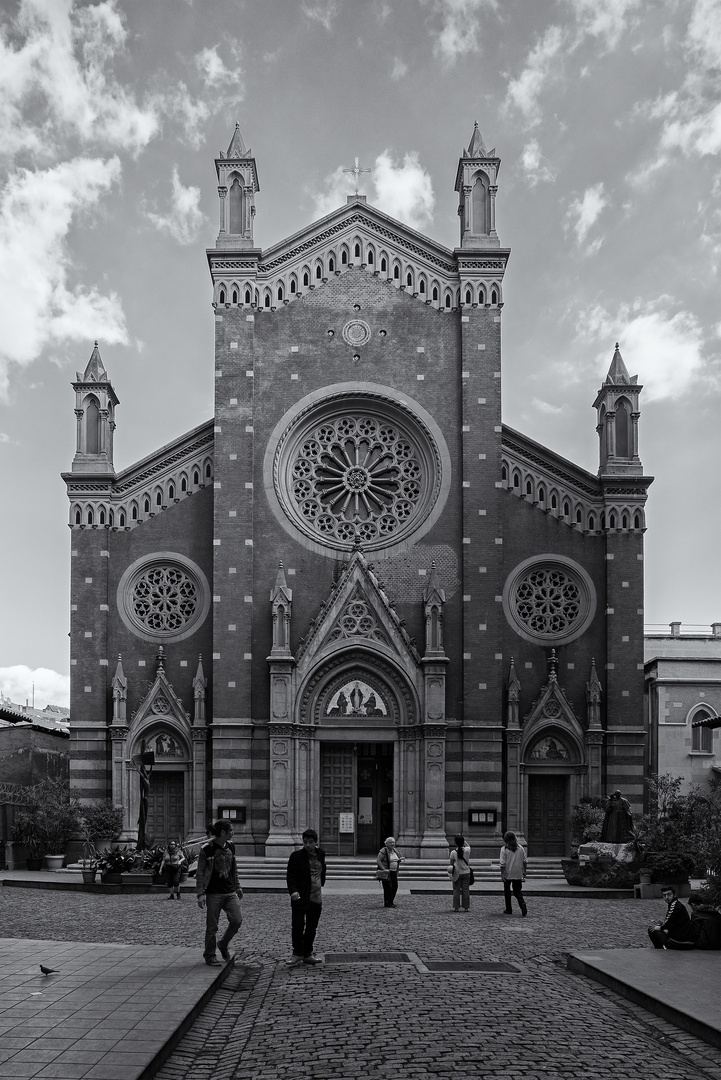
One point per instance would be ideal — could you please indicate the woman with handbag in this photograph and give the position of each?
(513, 872)
(460, 873)
(387, 873)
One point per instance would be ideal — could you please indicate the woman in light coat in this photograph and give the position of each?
(513, 872)
(389, 859)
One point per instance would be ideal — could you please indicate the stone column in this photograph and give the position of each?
(407, 797)
(493, 191)
(222, 192)
(197, 782)
(282, 789)
(594, 757)
(433, 843)
(120, 787)
(514, 821)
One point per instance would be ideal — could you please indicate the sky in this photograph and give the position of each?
(607, 118)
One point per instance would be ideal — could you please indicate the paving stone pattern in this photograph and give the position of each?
(354, 1021)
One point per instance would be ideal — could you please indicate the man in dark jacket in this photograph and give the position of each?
(705, 929)
(218, 889)
(676, 925)
(305, 878)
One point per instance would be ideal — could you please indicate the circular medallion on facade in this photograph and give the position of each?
(163, 597)
(549, 600)
(354, 467)
(356, 332)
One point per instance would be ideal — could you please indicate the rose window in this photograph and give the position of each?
(164, 597)
(549, 600)
(357, 471)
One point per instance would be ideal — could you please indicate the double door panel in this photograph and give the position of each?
(166, 807)
(356, 779)
(547, 815)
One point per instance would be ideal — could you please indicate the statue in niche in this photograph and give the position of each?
(356, 700)
(372, 706)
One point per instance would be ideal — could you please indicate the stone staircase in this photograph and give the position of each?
(347, 868)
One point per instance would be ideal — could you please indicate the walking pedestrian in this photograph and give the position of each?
(513, 872)
(218, 889)
(459, 871)
(173, 862)
(305, 878)
(389, 860)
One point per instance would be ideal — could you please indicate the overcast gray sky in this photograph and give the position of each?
(607, 118)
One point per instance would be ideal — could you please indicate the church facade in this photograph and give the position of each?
(354, 599)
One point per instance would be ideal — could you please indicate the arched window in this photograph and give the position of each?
(409, 280)
(591, 523)
(448, 300)
(292, 285)
(122, 519)
(566, 508)
(318, 272)
(396, 273)
(529, 487)
(504, 472)
(554, 502)
(158, 499)
(111, 518)
(369, 257)
(356, 252)
(196, 477)
(384, 266)
(306, 279)
(135, 512)
(469, 296)
(701, 732)
(266, 302)
(541, 494)
(623, 430)
(78, 518)
(92, 427)
(171, 491)
(435, 292)
(516, 479)
(344, 257)
(637, 521)
(624, 521)
(331, 265)
(579, 516)
(207, 469)
(421, 286)
(221, 296)
(603, 519)
(101, 517)
(146, 506)
(612, 520)
(482, 295)
(183, 484)
(236, 200)
(247, 296)
(479, 206)
(235, 296)
(280, 294)
(494, 297)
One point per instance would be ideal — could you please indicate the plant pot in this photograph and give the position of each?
(111, 879)
(644, 877)
(34, 863)
(89, 877)
(54, 862)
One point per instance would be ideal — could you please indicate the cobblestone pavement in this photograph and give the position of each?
(352, 1021)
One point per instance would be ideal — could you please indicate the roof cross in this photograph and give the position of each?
(356, 171)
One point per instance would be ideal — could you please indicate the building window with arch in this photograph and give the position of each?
(235, 203)
(479, 206)
(701, 732)
(622, 424)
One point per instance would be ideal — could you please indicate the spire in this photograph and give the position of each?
(119, 686)
(280, 582)
(618, 373)
(477, 147)
(514, 697)
(160, 658)
(552, 667)
(95, 371)
(237, 149)
(199, 684)
(593, 698)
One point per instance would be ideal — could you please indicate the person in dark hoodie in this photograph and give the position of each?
(705, 931)
(676, 925)
(305, 878)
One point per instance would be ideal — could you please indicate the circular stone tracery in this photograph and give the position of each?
(357, 468)
(549, 600)
(164, 597)
(356, 332)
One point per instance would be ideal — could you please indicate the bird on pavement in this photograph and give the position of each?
(47, 970)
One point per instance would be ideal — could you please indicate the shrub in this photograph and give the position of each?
(587, 819)
(50, 818)
(102, 819)
(669, 867)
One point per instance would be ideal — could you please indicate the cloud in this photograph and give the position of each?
(399, 69)
(404, 191)
(322, 13)
(216, 75)
(583, 214)
(56, 63)
(185, 219)
(664, 348)
(607, 21)
(460, 26)
(523, 93)
(533, 165)
(51, 688)
(38, 303)
(4, 438)
(545, 406)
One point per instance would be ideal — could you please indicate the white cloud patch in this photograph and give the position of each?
(404, 191)
(583, 214)
(51, 688)
(460, 26)
(62, 57)
(665, 349)
(534, 166)
(39, 305)
(524, 92)
(184, 220)
(545, 406)
(321, 13)
(399, 69)
(216, 75)
(607, 21)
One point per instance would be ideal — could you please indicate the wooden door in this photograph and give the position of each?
(336, 796)
(547, 815)
(375, 796)
(166, 808)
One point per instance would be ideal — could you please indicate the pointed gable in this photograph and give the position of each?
(237, 149)
(551, 729)
(618, 373)
(95, 370)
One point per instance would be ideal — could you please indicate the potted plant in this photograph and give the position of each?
(102, 822)
(115, 862)
(50, 819)
(153, 862)
(670, 867)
